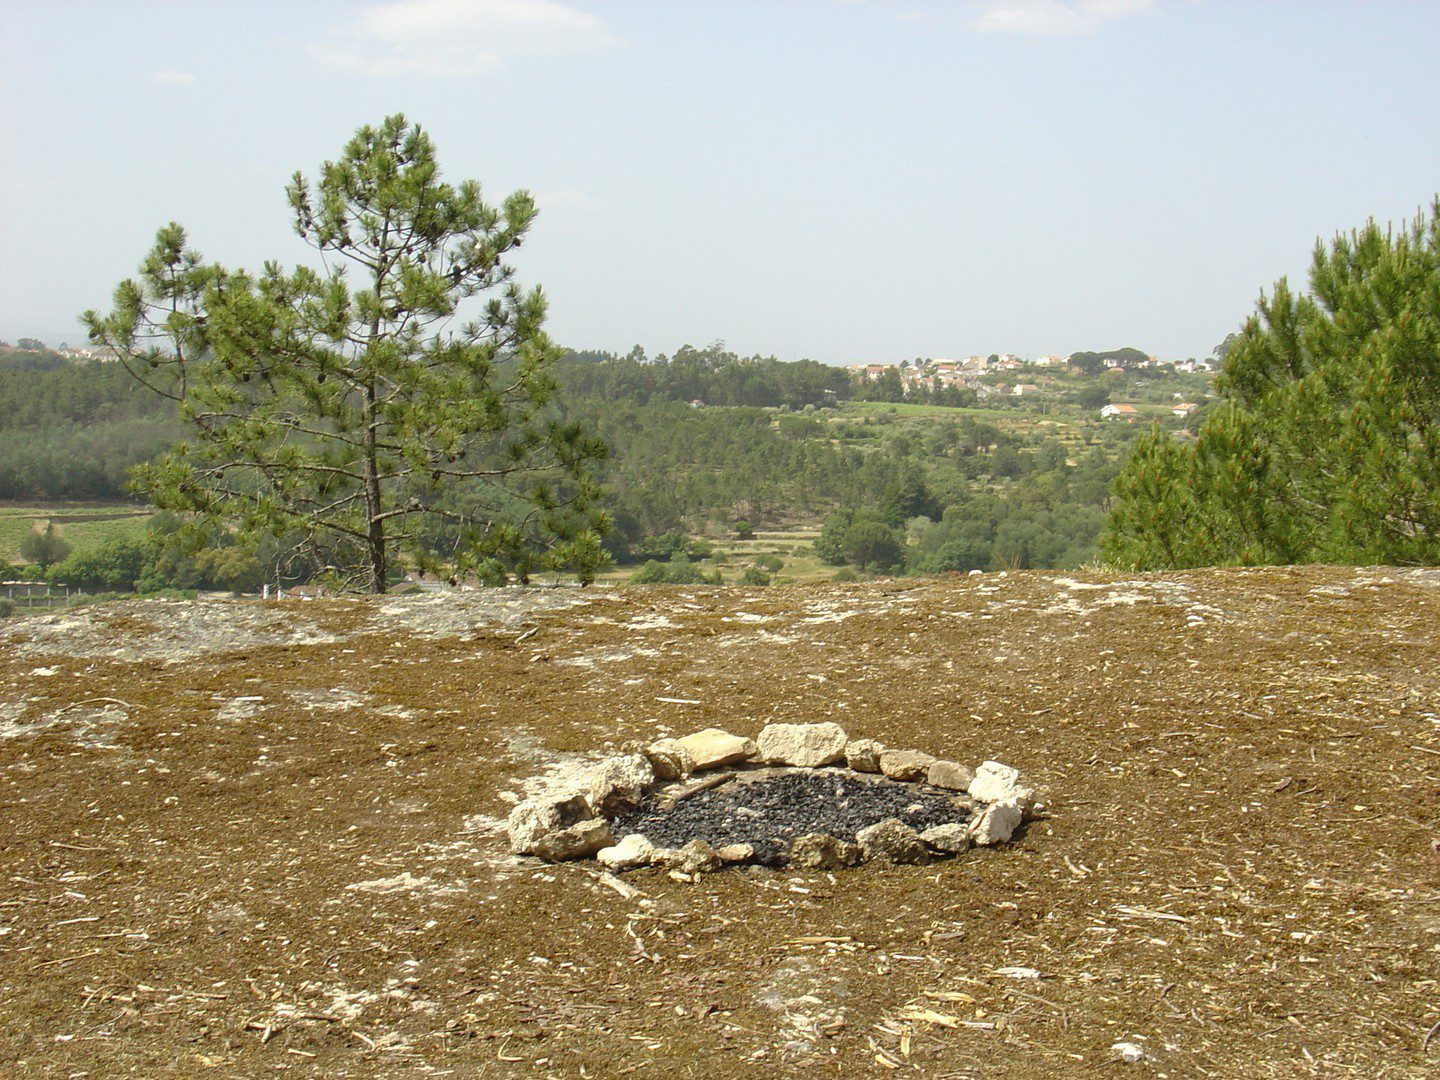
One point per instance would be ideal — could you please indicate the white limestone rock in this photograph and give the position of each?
(579, 841)
(536, 818)
(821, 851)
(997, 823)
(696, 857)
(995, 782)
(950, 775)
(633, 851)
(669, 759)
(953, 838)
(802, 745)
(619, 783)
(893, 841)
(906, 765)
(863, 755)
(736, 853)
(712, 748)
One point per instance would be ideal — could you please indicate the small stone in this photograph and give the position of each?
(619, 783)
(995, 782)
(821, 851)
(953, 838)
(697, 857)
(735, 853)
(1130, 1053)
(669, 759)
(633, 851)
(863, 755)
(893, 841)
(996, 823)
(950, 775)
(579, 841)
(802, 745)
(711, 748)
(907, 765)
(535, 818)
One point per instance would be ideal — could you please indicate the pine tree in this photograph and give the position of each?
(348, 406)
(1326, 446)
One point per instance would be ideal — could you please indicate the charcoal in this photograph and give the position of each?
(771, 811)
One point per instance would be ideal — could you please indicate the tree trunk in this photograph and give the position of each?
(375, 525)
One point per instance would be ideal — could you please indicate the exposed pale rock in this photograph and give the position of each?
(802, 745)
(905, 765)
(634, 850)
(821, 851)
(997, 823)
(950, 775)
(951, 838)
(619, 783)
(863, 755)
(579, 841)
(893, 841)
(736, 853)
(535, 818)
(711, 748)
(696, 857)
(669, 759)
(995, 782)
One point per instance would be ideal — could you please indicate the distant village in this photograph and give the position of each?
(968, 373)
(984, 375)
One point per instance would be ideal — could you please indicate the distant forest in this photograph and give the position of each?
(703, 442)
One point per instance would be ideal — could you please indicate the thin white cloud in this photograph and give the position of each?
(1054, 17)
(172, 78)
(460, 37)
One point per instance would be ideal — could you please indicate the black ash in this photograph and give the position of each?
(772, 810)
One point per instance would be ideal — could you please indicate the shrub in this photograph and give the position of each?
(754, 576)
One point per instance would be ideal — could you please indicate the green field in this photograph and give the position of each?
(83, 525)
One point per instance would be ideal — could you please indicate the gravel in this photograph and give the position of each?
(770, 811)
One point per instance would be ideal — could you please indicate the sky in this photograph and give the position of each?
(846, 180)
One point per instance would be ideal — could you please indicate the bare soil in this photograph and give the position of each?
(239, 839)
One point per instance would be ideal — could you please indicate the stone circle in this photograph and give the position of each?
(802, 795)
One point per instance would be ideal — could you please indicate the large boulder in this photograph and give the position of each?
(712, 748)
(619, 783)
(996, 823)
(803, 745)
(950, 775)
(907, 765)
(863, 755)
(634, 850)
(892, 841)
(538, 817)
(579, 841)
(821, 851)
(995, 782)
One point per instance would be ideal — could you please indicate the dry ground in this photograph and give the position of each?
(238, 839)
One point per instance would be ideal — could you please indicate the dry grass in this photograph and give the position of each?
(280, 855)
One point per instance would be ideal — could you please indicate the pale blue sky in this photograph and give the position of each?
(866, 180)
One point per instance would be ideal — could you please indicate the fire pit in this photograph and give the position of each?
(801, 794)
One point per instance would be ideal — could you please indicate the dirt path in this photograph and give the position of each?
(249, 838)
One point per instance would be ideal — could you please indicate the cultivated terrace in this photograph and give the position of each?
(246, 838)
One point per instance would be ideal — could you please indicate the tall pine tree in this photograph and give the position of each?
(1326, 446)
(349, 408)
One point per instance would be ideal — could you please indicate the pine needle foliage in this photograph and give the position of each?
(349, 407)
(1325, 446)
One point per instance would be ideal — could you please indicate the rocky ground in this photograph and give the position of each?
(243, 838)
